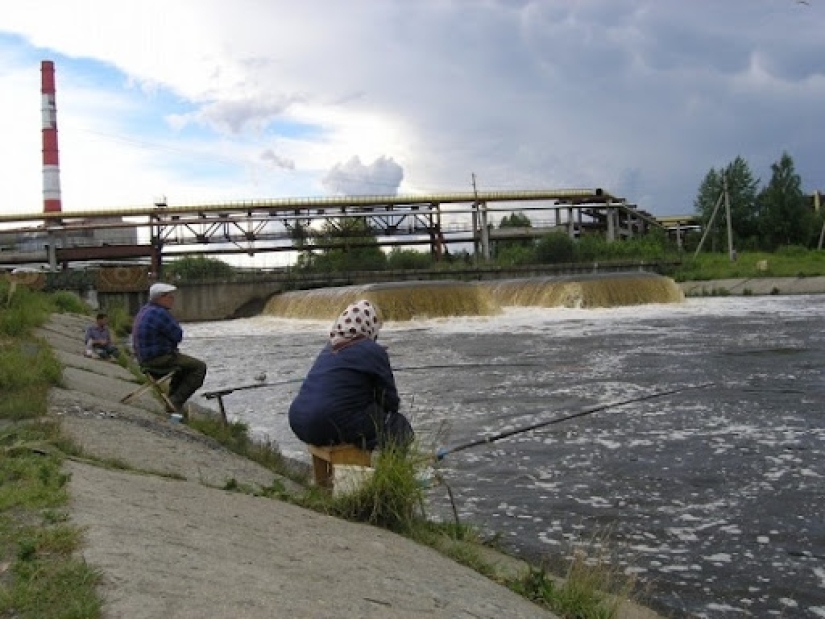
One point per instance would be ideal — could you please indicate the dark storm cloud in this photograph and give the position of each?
(640, 97)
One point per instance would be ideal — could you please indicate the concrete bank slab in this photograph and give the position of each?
(180, 550)
(104, 368)
(109, 388)
(150, 443)
(755, 286)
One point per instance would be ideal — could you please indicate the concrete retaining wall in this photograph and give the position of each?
(755, 286)
(197, 302)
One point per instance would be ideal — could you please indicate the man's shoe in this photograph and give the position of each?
(180, 409)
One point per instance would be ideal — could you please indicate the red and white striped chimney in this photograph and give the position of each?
(51, 164)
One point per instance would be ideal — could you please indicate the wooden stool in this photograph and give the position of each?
(324, 460)
(157, 385)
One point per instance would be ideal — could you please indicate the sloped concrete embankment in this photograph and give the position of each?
(170, 542)
(755, 286)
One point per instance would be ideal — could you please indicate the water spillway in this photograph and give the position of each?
(588, 291)
(397, 300)
(409, 300)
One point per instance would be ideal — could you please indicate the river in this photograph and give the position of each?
(712, 496)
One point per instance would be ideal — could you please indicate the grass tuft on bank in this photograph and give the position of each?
(40, 574)
(236, 438)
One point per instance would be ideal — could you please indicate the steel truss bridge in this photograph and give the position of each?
(259, 226)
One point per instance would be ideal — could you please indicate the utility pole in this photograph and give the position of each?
(817, 200)
(485, 232)
(474, 214)
(821, 236)
(726, 198)
(731, 251)
(709, 225)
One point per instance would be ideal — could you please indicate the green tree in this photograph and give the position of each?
(515, 255)
(591, 247)
(555, 247)
(515, 220)
(784, 216)
(346, 244)
(399, 259)
(655, 245)
(742, 194)
(514, 251)
(298, 232)
(198, 268)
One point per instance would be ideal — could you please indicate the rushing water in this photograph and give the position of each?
(714, 496)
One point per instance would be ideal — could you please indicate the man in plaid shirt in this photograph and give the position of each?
(155, 339)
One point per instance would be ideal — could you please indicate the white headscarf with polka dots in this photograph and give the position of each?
(359, 319)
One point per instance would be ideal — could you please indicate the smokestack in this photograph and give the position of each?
(51, 164)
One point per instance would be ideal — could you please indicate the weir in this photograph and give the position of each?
(589, 291)
(409, 300)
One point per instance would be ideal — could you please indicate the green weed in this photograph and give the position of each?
(41, 576)
(591, 588)
(786, 262)
(69, 303)
(235, 437)
(391, 498)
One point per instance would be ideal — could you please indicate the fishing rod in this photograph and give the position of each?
(219, 393)
(444, 451)
(211, 395)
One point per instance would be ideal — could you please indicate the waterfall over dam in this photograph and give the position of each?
(409, 300)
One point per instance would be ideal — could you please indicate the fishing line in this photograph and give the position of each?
(444, 451)
(222, 392)
(492, 365)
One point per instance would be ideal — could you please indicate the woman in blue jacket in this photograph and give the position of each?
(349, 395)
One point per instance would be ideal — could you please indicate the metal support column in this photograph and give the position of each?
(485, 232)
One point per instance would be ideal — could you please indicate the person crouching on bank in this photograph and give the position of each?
(99, 340)
(349, 395)
(156, 336)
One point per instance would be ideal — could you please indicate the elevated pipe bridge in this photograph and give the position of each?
(258, 226)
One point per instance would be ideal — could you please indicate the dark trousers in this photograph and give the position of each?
(189, 374)
(381, 429)
(105, 351)
(396, 431)
(370, 428)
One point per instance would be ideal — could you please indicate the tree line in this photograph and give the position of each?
(762, 218)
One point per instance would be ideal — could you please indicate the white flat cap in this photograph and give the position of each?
(155, 290)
